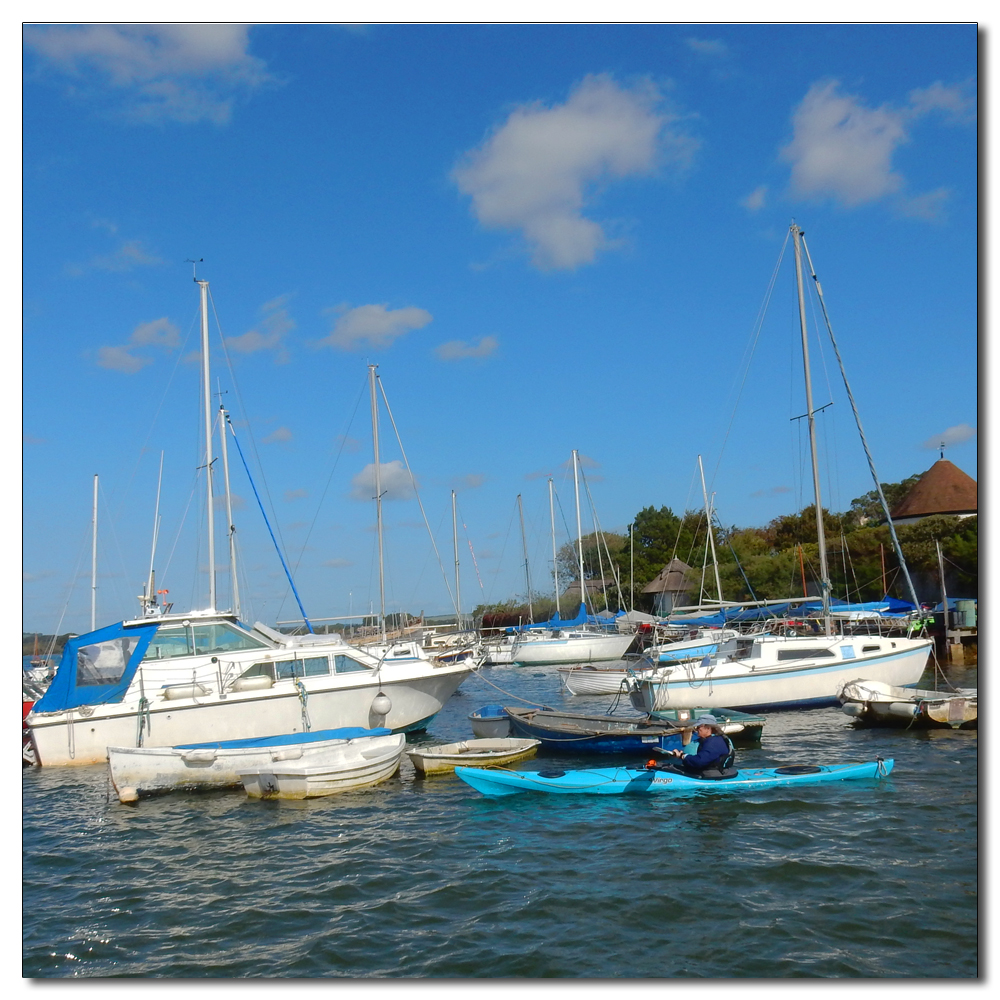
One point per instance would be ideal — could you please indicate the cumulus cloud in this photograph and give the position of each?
(707, 46)
(534, 173)
(268, 334)
(127, 256)
(291, 495)
(754, 201)
(396, 482)
(958, 434)
(123, 358)
(375, 326)
(348, 444)
(456, 350)
(279, 436)
(842, 149)
(153, 72)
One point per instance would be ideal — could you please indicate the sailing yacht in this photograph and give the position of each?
(770, 671)
(573, 642)
(169, 678)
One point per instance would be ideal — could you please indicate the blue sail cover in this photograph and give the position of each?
(555, 622)
(889, 607)
(97, 667)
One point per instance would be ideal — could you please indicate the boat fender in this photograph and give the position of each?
(381, 705)
(905, 709)
(202, 756)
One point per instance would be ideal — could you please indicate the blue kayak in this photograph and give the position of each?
(645, 781)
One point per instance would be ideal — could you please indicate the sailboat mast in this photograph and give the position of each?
(579, 527)
(711, 531)
(93, 563)
(207, 400)
(555, 561)
(151, 593)
(378, 497)
(524, 548)
(454, 531)
(824, 571)
(234, 585)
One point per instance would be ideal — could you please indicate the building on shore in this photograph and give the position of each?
(943, 489)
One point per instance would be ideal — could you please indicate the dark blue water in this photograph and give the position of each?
(425, 877)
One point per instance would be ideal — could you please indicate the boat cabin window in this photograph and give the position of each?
(347, 664)
(870, 649)
(191, 640)
(804, 654)
(743, 648)
(311, 666)
(104, 662)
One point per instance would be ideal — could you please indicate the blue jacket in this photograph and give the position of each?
(711, 752)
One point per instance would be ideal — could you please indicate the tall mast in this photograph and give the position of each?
(234, 585)
(93, 564)
(579, 527)
(150, 600)
(524, 548)
(378, 496)
(711, 531)
(824, 572)
(454, 531)
(207, 400)
(555, 560)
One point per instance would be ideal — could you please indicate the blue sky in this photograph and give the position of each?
(547, 237)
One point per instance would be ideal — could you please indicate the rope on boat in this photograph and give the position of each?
(143, 720)
(303, 700)
(478, 671)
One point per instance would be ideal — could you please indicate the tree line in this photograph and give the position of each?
(778, 560)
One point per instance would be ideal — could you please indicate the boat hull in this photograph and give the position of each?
(643, 781)
(359, 767)
(82, 735)
(140, 771)
(471, 753)
(585, 680)
(593, 648)
(872, 703)
(594, 733)
(749, 686)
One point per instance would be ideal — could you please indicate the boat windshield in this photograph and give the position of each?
(199, 640)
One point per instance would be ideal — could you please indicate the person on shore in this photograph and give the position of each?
(714, 756)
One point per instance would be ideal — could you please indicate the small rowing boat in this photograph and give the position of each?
(470, 753)
(875, 703)
(650, 780)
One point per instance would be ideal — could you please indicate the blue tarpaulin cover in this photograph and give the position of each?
(97, 667)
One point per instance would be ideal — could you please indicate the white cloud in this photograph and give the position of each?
(291, 495)
(337, 563)
(374, 325)
(707, 46)
(238, 503)
(348, 444)
(395, 481)
(268, 334)
(456, 350)
(843, 150)
(754, 201)
(179, 72)
(774, 491)
(535, 171)
(156, 333)
(929, 205)
(280, 436)
(958, 434)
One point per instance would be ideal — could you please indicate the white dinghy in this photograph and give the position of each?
(876, 703)
(140, 771)
(359, 763)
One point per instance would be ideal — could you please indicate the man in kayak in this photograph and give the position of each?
(714, 757)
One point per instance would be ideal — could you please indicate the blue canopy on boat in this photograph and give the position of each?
(582, 618)
(889, 607)
(97, 667)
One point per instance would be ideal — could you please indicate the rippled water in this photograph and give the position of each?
(425, 877)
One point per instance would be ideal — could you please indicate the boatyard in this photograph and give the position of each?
(475, 516)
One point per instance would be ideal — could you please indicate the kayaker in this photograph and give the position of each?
(715, 752)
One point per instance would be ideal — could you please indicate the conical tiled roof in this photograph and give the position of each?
(672, 578)
(942, 489)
